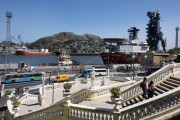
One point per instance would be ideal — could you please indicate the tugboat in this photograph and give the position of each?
(64, 59)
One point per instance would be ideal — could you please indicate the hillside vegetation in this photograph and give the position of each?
(70, 42)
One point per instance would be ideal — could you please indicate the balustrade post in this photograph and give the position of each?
(118, 104)
(76, 79)
(91, 94)
(66, 110)
(173, 69)
(92, 78)
(116, 115)
(86, 80)
(103, 81)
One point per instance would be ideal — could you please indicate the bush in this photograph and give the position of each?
(16, 94)
(172, 51)
(115, 92)
(16, 103)
(26, 89)
(8, 92)
(67, 86)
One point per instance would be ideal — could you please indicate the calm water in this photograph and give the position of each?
(37, 60)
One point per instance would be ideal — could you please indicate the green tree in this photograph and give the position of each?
(172, 51)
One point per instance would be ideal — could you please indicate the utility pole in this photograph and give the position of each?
(7, 43)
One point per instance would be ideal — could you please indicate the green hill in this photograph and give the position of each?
(70, 42)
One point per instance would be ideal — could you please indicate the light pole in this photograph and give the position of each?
(145, 58)
(133, 57)
(43, 80)
(53, 92)
(58, 66)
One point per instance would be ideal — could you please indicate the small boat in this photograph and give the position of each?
(64, 59)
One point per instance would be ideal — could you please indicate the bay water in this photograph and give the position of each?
(37, 60)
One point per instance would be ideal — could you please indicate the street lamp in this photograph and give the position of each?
(43, 82)
(53, 92)
(58, 66)
(145, 58)
(133, 57)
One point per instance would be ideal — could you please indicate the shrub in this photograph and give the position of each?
(67, 86)
(16, 94)
(115, 92)
(26, 89)
(172, 51)
(8, 92)
(16, 103)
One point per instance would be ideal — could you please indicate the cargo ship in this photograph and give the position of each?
(28, 52)
(121, 50)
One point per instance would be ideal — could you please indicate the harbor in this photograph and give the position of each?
(82, 61)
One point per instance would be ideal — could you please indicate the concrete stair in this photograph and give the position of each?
(160, 88)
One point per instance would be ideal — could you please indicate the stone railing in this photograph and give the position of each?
(44, 114)
(75, 97)
(162, 74)
(79, 112)
(103, 91)
(25, 97)
(152, 107)
(79, 96)
(57, 85)
(149, 109)
(140, 110)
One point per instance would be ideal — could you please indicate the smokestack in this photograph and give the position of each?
(177, 29)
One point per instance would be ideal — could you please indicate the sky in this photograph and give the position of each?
(34, 19)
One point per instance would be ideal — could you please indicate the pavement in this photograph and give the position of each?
(31, 104)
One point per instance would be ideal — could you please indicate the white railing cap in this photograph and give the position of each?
(151, 99)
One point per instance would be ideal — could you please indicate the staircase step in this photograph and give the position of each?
(175, 78)
(159, 90)
(163, 88)
(167, 85)
(156, 93)
(174, 81)
(171, 83)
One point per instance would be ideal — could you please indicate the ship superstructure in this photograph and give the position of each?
(120, 51)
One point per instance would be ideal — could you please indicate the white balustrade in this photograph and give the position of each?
(155, 77)
(151, 106)
(133, 112)
(89, 113)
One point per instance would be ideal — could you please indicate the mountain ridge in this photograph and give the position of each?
(69, 41)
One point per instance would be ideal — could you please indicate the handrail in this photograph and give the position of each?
(152, 105)
(43, 114)
(75, 97)
(89, 113)
(136, 111)
(134, 89)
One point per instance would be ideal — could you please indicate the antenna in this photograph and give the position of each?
(7, 43)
